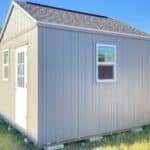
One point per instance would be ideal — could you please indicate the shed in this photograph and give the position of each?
(67, 75)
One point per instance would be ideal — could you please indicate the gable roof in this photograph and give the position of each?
(49, 14)
(69, 19)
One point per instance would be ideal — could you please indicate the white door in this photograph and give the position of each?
(21, 88)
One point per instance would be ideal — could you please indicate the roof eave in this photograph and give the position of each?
(84, 29)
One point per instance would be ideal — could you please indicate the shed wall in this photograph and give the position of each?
(71, 103)
(17, 24)
(15, 37)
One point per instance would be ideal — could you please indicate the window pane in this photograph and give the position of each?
(106, 54)
(105, 72)
(5, 72)
(6, 57)
(21, 69)
(20, 57)
(21, 82)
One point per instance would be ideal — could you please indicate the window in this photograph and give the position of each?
(106, 63)
(5, 64)
(20, 69)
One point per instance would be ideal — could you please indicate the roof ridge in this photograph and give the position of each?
(65, 9)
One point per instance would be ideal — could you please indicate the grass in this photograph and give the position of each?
(120, 141)
(13, 140)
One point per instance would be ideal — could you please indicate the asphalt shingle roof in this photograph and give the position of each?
(55, 15)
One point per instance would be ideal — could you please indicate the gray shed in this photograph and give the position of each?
(68, 75)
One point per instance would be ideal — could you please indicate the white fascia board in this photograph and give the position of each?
(89, 30)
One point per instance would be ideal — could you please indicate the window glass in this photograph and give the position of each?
(106, 62)
(6, 59)
(106, 54)
(5, 65)
(5, 72)
(20, 70)
(105, 72)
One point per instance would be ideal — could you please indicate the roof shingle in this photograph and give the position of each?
(55, 15)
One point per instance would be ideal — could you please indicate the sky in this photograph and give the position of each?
(133, 12)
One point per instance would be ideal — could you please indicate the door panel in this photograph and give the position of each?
(21, 89)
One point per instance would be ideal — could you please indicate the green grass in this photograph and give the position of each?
(13, 140)
(120, 141)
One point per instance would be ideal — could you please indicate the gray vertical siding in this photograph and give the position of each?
(71, 103)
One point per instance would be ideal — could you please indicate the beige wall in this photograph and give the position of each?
(16, 36)
(18, 23)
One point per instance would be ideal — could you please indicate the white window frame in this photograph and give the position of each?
(3, 65)
(106, 63)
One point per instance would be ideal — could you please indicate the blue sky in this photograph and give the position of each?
(132, 12)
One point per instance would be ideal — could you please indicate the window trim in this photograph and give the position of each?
(3, 65)
(114, 64)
